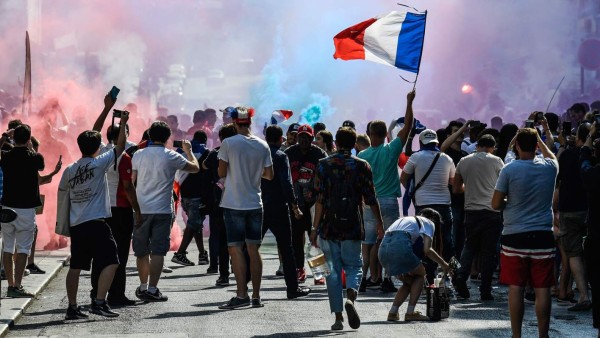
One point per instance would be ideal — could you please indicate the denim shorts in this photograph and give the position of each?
(243, 226)
(396, 253)
(191, 206)
(153, 236)
(390, 212)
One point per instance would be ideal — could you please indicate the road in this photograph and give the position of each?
(192, 312)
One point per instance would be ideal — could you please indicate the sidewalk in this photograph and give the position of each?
(12, 308)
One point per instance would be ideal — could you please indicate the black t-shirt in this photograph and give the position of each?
(458, 200)
(20, 167)
(193, 184)
(572, 195)
(212, 163)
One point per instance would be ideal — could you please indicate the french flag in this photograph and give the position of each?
(281, 115)
(395, 39)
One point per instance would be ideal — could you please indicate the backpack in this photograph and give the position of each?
(343, 213)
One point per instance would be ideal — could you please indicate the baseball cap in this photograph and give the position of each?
(349, 123)
(306, 129)
(293, 128)
(428, 136)
(242, 115)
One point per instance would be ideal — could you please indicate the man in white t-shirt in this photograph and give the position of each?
(244, 160)
(89, 205)
(476, 176)
(432, 191)
(154, 169)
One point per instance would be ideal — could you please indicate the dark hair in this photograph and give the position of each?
(489, 131)
(454, 123)
(226, 131)
(35, 143)
(475, 131)
(433, 216)
(378, 128)
(368, 131)
(146, 135)
(327, 139)
(273, 133)
(200, 136)
(345, 138)
(527, 139)
(442, 135)
(22, 134)
(486, 141)
(112, 134)
(507, 132)
(578, 108)
(318, 126)
(89, 141)
(198, 116)
(12, 124)
(552, 121)
(583, 131)
(159, 132)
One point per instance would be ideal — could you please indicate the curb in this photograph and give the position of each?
(11, 309)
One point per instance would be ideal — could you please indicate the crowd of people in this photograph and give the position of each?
(517, 201)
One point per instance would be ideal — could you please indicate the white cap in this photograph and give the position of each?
(428, 136)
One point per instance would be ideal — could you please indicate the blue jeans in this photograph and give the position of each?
(191, 206)
(243, 226)
(341, 255)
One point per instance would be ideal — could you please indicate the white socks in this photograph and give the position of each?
(143, 287)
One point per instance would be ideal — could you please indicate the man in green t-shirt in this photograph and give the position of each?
(383, 158)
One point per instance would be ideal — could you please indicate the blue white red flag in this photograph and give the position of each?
(395, 39)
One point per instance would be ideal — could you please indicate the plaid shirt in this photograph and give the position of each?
(357, 173)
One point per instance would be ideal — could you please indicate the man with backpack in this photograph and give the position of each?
(343, 182)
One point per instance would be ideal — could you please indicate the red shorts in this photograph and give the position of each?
(522, 267)
(519, 267)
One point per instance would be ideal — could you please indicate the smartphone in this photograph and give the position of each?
(114, 91)
(529, 124)
(474, 124)
(567, 128)
(177, 144)
(118, 113)
(539, 116)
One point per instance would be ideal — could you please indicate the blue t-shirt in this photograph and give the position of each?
(529, 185)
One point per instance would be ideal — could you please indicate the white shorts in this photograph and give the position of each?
(19, 233)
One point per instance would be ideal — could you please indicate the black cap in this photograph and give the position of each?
(349, 123)
(293, 127)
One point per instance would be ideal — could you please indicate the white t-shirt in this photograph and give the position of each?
(156, 167)
(247, 157)
(88, 189)
(410, 225)
(112, 175)
(435, 189)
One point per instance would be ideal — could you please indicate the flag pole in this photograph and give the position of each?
(421, 56)
(26, 101)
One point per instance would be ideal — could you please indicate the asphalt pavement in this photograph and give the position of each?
(192, 311)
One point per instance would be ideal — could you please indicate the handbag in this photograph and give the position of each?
(422, 181)
(438, 302)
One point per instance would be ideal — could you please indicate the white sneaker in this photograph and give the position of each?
(26, 272)
(166, 269)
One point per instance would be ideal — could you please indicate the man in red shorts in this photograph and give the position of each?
(527, 255)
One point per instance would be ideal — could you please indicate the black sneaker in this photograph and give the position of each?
(120, 301)
(139, 293)
(256, 302)
(487, 296)
(7, 215)
(462, 291)
(212, 269)
(102, 310)
(299, 292)
(375, 284)
(222, 281)
(203, 258)
(74, 312)
(180, 258)
(155, 296)
(34, 269)
(387, 286)
(363, 285)
(235, 303)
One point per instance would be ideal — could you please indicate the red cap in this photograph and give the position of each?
(305, 128)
